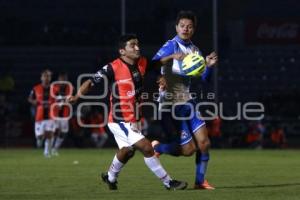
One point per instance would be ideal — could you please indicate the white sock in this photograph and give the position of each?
(39, 142)
(58, 142)
(155, 166)
(114, 169)
(48, 145)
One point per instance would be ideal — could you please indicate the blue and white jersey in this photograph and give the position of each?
(178, 82)
(176, 45)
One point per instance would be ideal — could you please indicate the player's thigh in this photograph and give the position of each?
(38, 129)
(64, 126)
(49, 126)
(186, 141)
(188, 149)
(196, 122)
(145, 147)
(201, 136)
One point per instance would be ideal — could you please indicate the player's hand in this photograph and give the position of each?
(162, 83)
(72, 99)
(45, 104)
(179, 56)
(211, 59)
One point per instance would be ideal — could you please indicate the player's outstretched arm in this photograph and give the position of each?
(84, 88)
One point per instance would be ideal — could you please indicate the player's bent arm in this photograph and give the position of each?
(177, 56)
(32, 101)
(84, 89)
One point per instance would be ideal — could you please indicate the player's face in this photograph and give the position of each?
(132, 49)
(185, 29)
(46, 78)
(62, 78)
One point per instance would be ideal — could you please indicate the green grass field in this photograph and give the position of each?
(237, 174)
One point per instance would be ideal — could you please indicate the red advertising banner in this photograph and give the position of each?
(272, 32)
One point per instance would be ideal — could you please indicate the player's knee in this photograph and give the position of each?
(148, 150)
(189, 150)
(130, 153)
(204, 145)
(125, 154)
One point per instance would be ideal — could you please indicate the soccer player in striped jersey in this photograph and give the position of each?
(125, 77)
(193, 133)
(41, 98)
(61, 89)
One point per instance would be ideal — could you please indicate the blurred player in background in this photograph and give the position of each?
(41, 98)
(193, 132)
(125, 75)
(62, 88)
(98, 133)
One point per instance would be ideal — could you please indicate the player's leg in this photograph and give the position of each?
(49, 129)
(120, 159)
(39, 134)
(185, 146)
(201, 141)
(202, 156)
(63, 129)
(124, 154)
(152, 162)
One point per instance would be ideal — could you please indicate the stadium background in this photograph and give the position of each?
(258, 45)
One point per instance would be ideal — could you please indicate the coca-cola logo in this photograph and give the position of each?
(282, 31)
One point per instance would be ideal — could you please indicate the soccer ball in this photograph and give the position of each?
(193, 65)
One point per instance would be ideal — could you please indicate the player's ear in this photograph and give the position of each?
(122, 52)
(176, 28)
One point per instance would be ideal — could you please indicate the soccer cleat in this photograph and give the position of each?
(176, 185)
(154, 143)
(111, 186)
(204, 186)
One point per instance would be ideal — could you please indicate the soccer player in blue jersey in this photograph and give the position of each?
(193, 132)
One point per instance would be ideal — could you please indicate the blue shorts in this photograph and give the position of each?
(189, 126)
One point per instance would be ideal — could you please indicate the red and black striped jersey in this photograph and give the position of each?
(44, 101)
(125, 83)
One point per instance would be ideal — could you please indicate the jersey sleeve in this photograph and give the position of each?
(32, 94)
(207, 74)
(166, 50)
(104, 74)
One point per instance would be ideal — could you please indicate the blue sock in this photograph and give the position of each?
(168, 148)
(201, 165)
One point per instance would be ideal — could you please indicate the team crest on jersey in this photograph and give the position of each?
(130, 93)
(98, 76)
(105, 68)
(184, 135)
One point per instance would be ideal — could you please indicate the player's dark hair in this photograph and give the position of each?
(124, 39)
(187, 14)
(63, 73)
(46, 71)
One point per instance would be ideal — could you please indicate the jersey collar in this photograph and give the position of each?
(127, 62)
(185, 43)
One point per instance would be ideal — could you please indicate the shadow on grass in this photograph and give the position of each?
(259, 186)
(255, 186)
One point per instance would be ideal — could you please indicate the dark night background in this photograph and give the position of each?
(258, 47)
